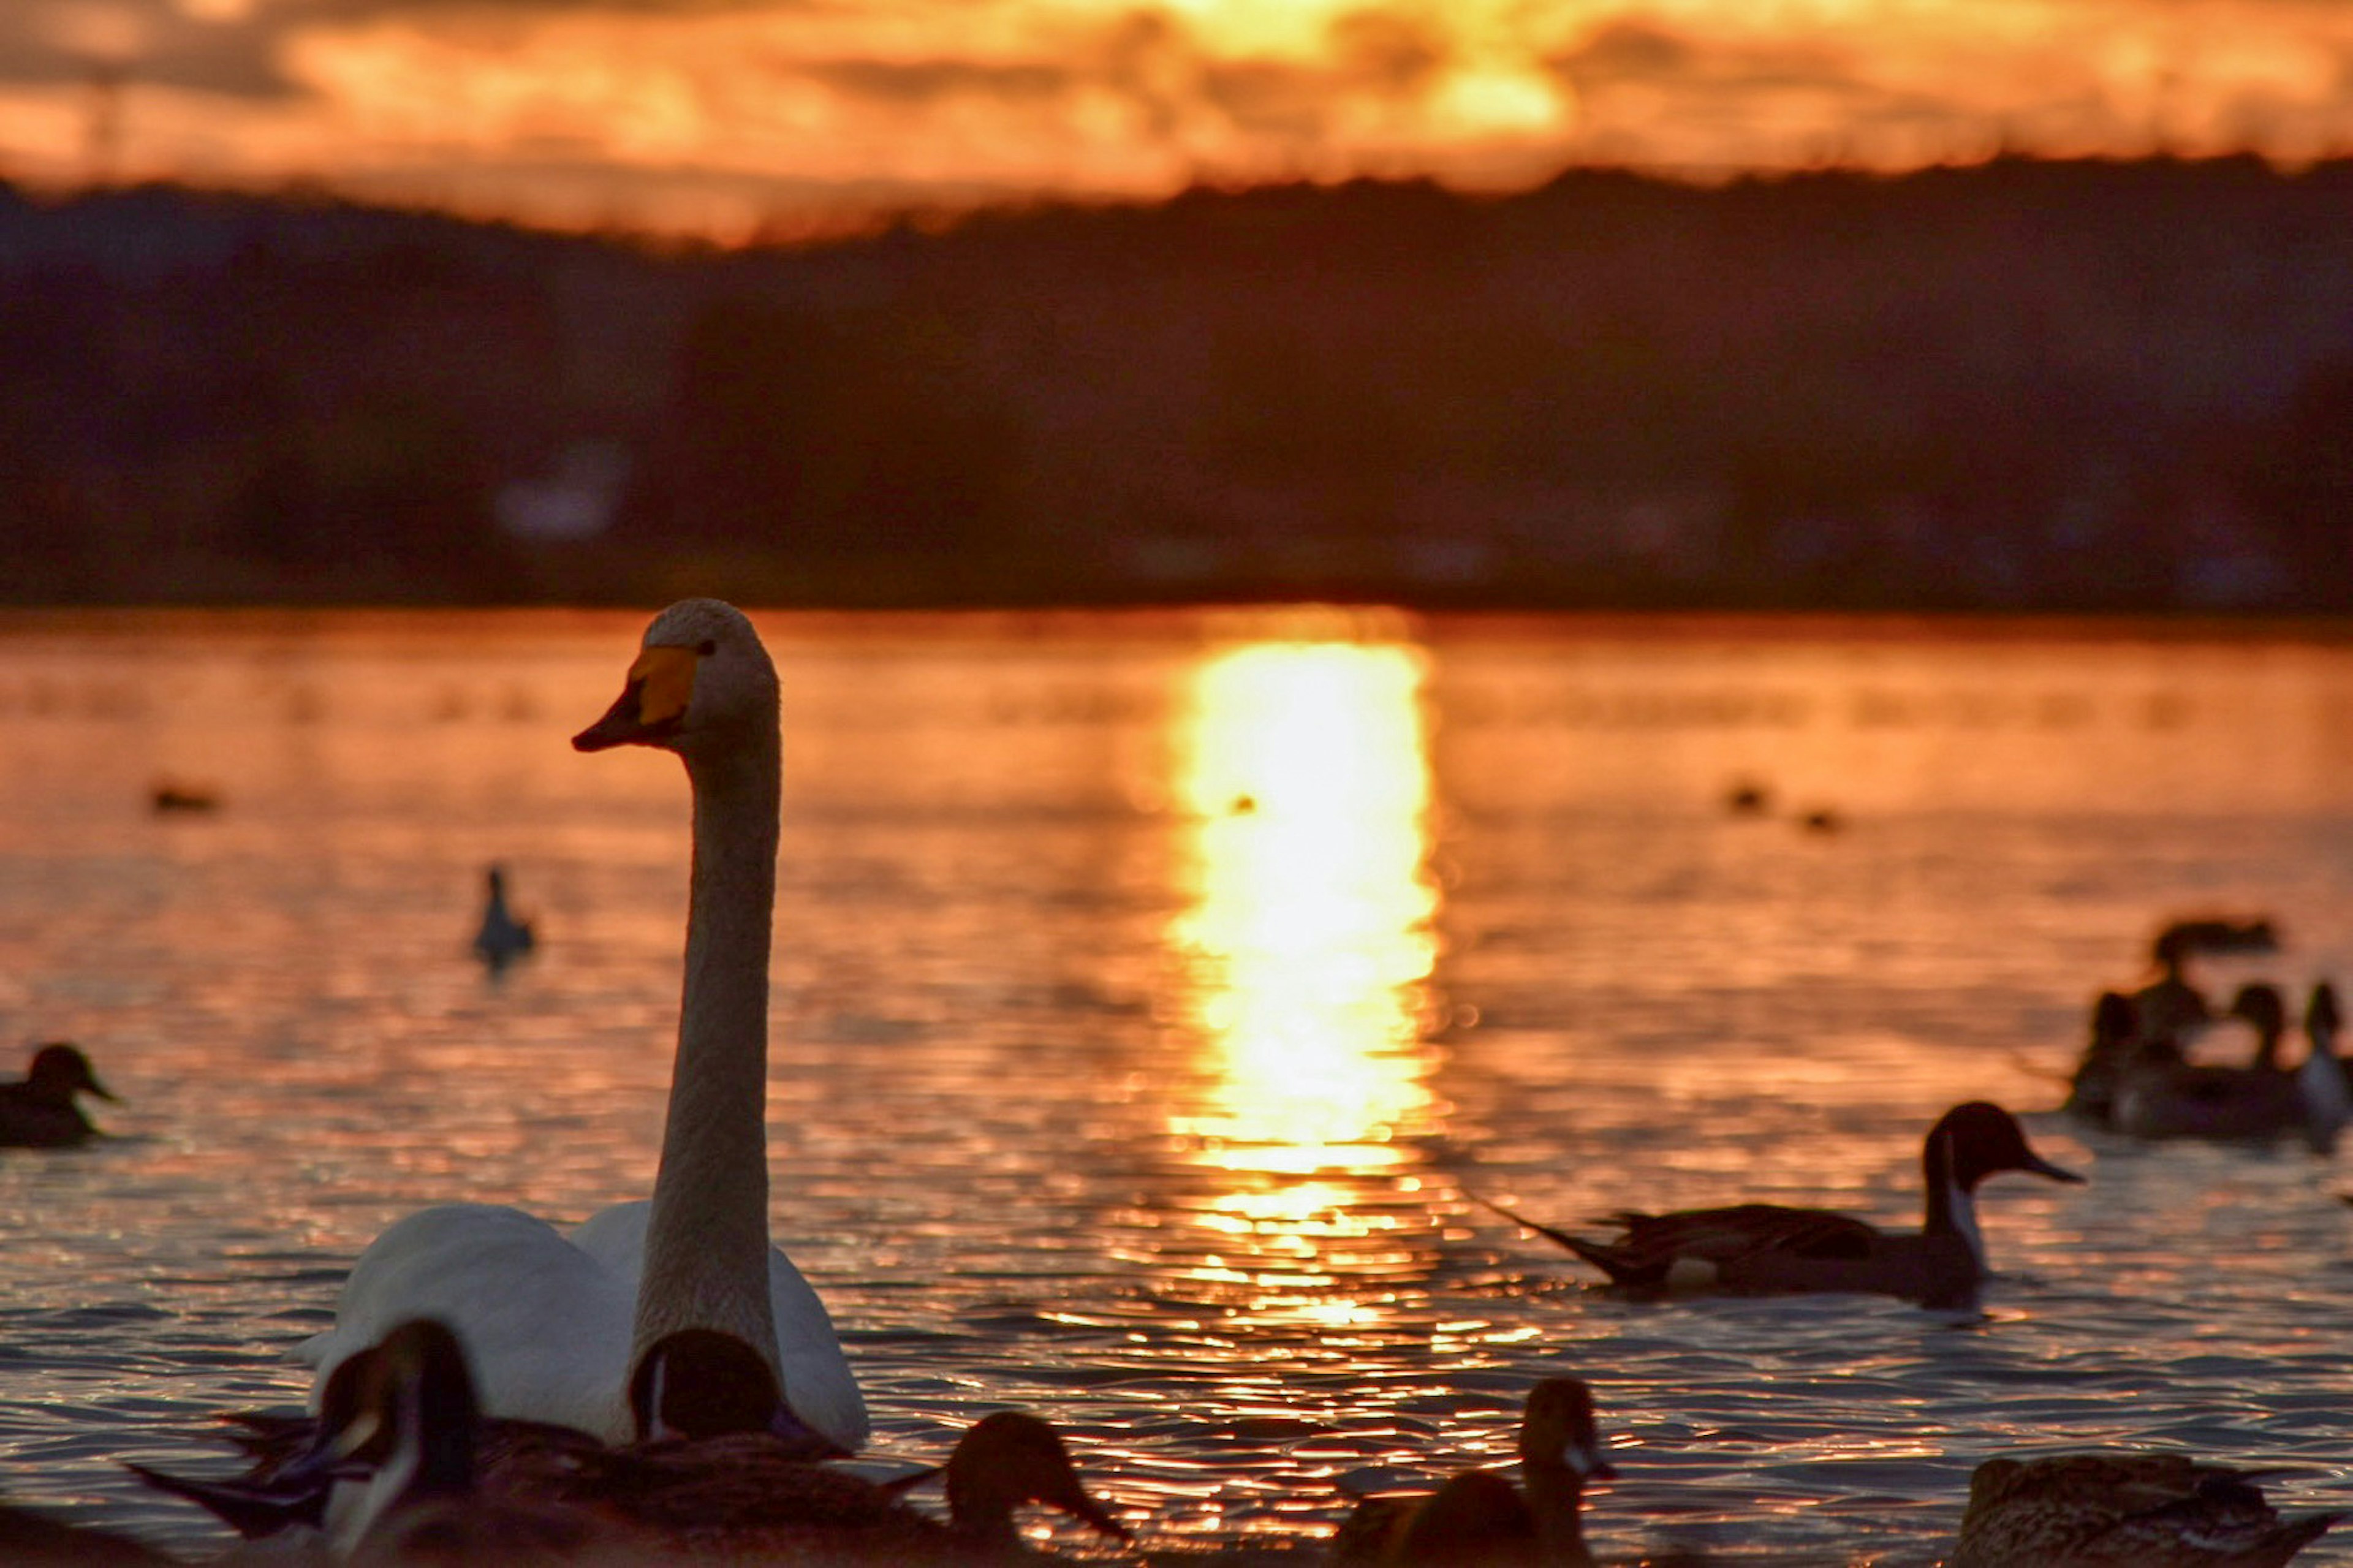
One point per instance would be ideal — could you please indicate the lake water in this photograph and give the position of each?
(1150, 990)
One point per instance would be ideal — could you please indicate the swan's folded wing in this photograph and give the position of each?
(545, 1325)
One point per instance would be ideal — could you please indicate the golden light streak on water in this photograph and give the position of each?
(1308, 946)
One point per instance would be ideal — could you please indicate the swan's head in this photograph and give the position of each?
(702, 682)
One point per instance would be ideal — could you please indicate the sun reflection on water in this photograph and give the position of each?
(1308, 948)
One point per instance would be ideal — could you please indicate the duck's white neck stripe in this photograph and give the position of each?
(1963, 1209)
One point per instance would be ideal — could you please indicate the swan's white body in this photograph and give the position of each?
(554, 1325)
(547, 1317)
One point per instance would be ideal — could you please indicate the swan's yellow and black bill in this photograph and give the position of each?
(661, 683)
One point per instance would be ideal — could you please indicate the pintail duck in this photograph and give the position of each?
(741, 1496)
(692, 1385)
(40, 1112)
(1479, 1517)
(2160, 1095)
(418, 1422)
(2124, 1511)
(500, 939)
(1767, 1249)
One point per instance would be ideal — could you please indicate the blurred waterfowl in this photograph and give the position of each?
(2171, 1011)
(2215, 935)
(2124, 1511)
(2322, 1080)
(1479, 1517)
(1768, 1249)
(554, 1325)
(39, 1110)
(2115, 1038)
(2159, 1096)
(169, 798)
(500, 939)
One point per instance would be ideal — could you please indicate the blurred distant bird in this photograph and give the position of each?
(40, 1112)
(2116, 1039)
(1747, 798)
(2328, 1091)
(2124, 1511)
(502, 939)
(170, 796)
(2161, 1096)
(1479, 1517)
(1767, 1249)
(2212, 934)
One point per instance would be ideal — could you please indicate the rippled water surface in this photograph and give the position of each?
(1151, 991)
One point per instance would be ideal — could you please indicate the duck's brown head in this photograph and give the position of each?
(1008, 1459)
(1560, 1429)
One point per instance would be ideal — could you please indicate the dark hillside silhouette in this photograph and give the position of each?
(2023, 385)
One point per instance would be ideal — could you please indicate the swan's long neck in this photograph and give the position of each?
(706, 1262)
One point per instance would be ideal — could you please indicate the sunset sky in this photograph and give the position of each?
(721, 115)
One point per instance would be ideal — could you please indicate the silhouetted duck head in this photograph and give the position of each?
(1560, 1429)
(2261, 1006)
(1980, 1139)
(59, 1071)
(1008, 1459)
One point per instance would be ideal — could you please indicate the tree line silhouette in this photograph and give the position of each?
(2021, 384)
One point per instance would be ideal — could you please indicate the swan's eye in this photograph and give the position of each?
(707, 646)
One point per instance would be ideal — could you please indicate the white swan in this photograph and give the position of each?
(554, 1326)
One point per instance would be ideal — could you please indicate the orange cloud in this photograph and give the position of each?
(722, 114)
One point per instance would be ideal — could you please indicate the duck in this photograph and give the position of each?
(500, 939)
(1770, 1250)
(556, 1323)
(2321, 1080)
(738, 1495)
(2158, 1095)
(413, 1438)
(2116, 1039)
(1479, 1517)
(297, 1461)
(417, 1436)
(40, 1111)
(2128, 1510)
(2217, 934)
(2170, 1009)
